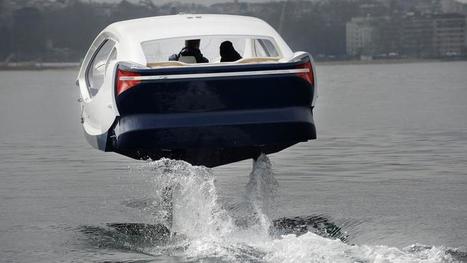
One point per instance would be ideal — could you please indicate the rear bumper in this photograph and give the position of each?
(212, 138)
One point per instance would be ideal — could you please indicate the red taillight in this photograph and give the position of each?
(126, 80)
(308, 72)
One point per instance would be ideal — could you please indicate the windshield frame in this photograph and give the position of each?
(246, 36)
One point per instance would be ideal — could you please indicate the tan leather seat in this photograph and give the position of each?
(257, 60)
(187, 59)
(165, 64)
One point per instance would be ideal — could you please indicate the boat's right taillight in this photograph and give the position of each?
(307, 73)
(126, 80)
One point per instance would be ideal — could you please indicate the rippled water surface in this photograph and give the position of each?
(386, 181)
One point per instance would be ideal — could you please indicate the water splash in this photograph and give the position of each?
(193, 202)
(261, 192)
(207, 232)
(313, 248)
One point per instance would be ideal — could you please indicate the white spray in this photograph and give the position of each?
(261, 192)
(210, 232)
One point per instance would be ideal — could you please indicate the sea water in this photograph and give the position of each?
(388, 169)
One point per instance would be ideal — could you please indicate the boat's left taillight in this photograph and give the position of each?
(307, 72)
(126, 80)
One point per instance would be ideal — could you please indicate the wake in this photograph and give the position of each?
(189, 221)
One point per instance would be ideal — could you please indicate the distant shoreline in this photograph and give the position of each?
(39, 66)
(386, 61)
(17, 66)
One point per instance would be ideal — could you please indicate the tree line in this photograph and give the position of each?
(63, 30)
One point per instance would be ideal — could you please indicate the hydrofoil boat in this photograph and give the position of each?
(207, 89)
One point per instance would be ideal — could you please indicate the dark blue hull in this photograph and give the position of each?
(213, 139)
(213, 121)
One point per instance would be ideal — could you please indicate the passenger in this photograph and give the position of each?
(191, 49)
(228, 52)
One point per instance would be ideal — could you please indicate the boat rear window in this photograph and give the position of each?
(247, 46)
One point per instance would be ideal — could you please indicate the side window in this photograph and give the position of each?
(96, 71)
(259, 50)
(112, 58)
(265, 48)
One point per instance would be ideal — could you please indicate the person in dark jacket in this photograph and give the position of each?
(228, 52)
(191, 49)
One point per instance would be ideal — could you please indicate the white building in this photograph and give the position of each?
(360, 36)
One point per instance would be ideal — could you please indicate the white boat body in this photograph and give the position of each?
(100, 111)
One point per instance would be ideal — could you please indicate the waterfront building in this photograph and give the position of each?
(433, 35)
(449, 34)
(372, 36)
(360, 36)
(417, 35)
